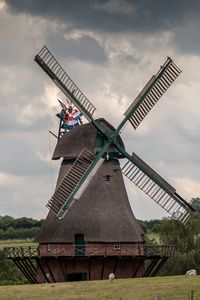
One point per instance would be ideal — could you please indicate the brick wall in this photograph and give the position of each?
(96, 268)
(93, 249)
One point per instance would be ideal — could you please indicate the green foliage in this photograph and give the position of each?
(150, 226)
(186, 238)
(9, 273)
(10, 229)
(7, 221)
(11, 233)
(196, 204)
(20, 228)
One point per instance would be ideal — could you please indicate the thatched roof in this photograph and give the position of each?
(84, 136)
(102, 214)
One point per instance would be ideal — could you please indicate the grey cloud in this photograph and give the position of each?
(10, 110)
(168, 151)
(148, 14)
(114, 6)
(24, 199)
(18, 157)
(161, 149)
(85, 48)
(187, 37)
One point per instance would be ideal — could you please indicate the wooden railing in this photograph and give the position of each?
(161, 250)
(90, 250)
(13, 252)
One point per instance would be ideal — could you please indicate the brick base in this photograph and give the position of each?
(52, 269)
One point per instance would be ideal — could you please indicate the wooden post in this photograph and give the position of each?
(191, 296)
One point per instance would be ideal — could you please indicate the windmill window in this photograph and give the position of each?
(79, 245)
(49, 247)
(117, 246)
(107, 178)
(46, 279)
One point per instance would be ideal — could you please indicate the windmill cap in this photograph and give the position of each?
(85, 136)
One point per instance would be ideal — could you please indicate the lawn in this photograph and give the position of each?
(168, 288)
(16, 243)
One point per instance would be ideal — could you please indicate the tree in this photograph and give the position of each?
(186, 238)
(9, 273)
(196, 204)
(6, 222)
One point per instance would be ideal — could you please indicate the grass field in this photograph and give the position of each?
(15, 243)
(168, 288)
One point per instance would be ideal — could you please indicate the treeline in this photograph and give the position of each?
(151, 226)
(18, 228)
(27, 228)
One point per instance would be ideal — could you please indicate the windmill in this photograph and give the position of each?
(90, 230)
(87, 164)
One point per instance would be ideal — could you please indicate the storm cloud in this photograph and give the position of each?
(110, 49)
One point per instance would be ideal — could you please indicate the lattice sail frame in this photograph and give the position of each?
(51, 66)
(152, 92)
(70, 189)
(158, 189)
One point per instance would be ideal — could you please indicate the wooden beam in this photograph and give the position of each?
(49, 269)
(42, 270)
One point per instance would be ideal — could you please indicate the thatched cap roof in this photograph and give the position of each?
(85, 136)
(102, 214)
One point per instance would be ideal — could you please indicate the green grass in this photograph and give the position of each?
(168, 288)
(16, 243)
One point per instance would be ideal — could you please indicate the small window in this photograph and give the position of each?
(117, 246)
(49, 247)
(107, 178)
(80, 245)
(46, 278)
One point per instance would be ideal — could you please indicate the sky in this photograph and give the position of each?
(110, 48)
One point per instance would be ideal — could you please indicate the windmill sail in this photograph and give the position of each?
(71, 187)
(50, 65)
(157, 188)
(152, 92)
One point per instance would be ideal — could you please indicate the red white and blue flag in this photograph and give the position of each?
(73, 118)
(70, 118)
